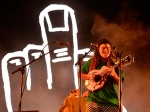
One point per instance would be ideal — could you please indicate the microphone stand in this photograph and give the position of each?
(120, 81)
(79, 63)
(21, 89)
(21, 69)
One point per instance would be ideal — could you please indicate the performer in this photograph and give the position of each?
(105, 98)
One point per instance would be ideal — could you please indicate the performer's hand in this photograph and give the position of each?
(105, 69)
(112, 72)
(114, 75)
(91, 75)
(105, 77)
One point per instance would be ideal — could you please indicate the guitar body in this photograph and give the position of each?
(92, 85)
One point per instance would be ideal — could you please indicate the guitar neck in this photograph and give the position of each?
(114, 66)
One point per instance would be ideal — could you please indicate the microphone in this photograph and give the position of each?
(93, 45)
(63, 43)
(114, 48)
(115, 52)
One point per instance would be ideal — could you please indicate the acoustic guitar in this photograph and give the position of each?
(99, 74)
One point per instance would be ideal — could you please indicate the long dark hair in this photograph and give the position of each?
(96, 59)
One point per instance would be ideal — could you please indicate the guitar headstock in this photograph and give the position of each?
(127, 60)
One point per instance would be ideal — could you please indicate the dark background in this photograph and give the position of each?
(126, 23)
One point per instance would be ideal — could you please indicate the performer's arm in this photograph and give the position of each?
(115, 76)
(84, 76)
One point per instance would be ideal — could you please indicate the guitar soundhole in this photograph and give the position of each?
(97, 78)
